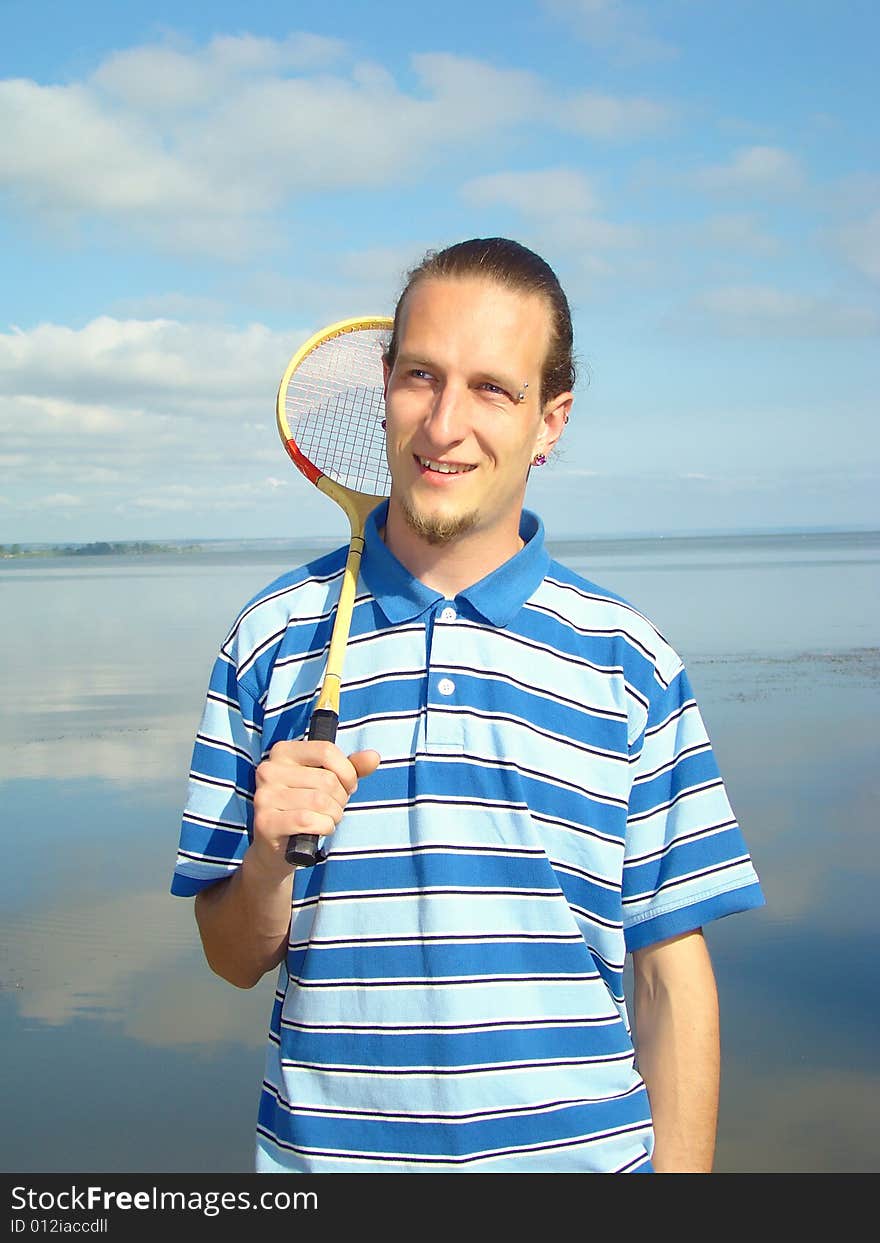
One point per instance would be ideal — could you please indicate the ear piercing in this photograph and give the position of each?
(539, 459)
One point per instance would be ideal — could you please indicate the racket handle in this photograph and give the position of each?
(302, 850)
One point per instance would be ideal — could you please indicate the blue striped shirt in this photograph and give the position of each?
(452, 997)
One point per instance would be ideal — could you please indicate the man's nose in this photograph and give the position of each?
(448, 414)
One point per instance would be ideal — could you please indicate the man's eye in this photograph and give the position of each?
(495, 389)
(419, 373)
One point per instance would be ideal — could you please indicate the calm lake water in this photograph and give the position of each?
(120, 1049)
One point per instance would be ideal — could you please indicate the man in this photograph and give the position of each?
(521, 792)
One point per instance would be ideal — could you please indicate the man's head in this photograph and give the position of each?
(477, 376)
(515, 267)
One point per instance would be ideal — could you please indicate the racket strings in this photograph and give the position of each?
(335, 406)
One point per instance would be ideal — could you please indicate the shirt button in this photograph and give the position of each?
(448, 614)
(446, 686)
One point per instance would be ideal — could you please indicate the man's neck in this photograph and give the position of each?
(451, 567)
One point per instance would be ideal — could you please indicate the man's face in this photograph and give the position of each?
(459, 439)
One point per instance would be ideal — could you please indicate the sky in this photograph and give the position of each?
(187, 191)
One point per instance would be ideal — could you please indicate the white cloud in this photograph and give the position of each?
(471, 97)
(740, 231)
(50, 426)
(147, 143)
(63, 152)
(160, 419)
(613, 117)
(112, 364)
(373, 278)
(853, 193)
(588, 234)
(67, 154)
(860, 243)
(617, 27)
(191, 78)
(103, 146)
(185, 498)
(546, 192)
(762, 310)
(762, 170)
(57, 500)
(559, 205)
(127, 414)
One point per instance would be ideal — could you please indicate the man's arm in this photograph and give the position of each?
(243, 922)
(678, 1049)
(302, 787)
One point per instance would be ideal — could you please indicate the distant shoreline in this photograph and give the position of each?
(559, 543)
(99, 548)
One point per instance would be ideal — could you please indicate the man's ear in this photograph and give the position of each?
(553, 422)
(386, 372)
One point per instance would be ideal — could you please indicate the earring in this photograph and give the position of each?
(384, 424)
(539, 459)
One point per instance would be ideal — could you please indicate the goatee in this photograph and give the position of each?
(436, 529)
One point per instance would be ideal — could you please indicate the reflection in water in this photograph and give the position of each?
(797, 1122)
(86, 1098)
(102, 985)
(132, 960)
(75, 746)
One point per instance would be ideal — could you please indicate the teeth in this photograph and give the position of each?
(443, 468)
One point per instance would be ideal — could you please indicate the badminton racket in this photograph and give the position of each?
(330, 413)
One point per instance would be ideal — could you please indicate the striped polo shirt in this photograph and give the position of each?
(452, 997)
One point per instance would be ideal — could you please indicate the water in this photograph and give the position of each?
(123, 1053)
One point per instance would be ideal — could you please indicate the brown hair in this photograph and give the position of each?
(515, 266)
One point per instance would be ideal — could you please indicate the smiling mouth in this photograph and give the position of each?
(443, 468)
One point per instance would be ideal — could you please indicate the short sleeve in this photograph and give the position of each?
(218, 818)
(685, 862)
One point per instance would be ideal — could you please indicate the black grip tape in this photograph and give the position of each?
(323, 725)
(302, 850)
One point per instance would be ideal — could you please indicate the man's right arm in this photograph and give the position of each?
(301, 787)
(243, 922)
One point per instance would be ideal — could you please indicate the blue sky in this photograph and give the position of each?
(188, 190)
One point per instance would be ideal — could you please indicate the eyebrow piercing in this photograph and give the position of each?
(521, 395)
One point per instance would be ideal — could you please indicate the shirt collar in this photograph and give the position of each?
(497, 597)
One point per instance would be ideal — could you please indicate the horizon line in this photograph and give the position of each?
(336, 540)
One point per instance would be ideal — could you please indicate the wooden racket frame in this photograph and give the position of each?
(357, 507)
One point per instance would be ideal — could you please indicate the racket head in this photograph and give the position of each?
(331, 408)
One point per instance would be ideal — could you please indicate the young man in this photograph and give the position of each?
(522, 792)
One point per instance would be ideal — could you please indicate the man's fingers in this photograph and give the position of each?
(284, 824)
(290, 798)
(303, 787)
(317, 755)
(365, 762)
(303, 777)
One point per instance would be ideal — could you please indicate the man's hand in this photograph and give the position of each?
(302, 787)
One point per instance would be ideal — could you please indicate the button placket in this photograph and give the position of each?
(444, 729)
